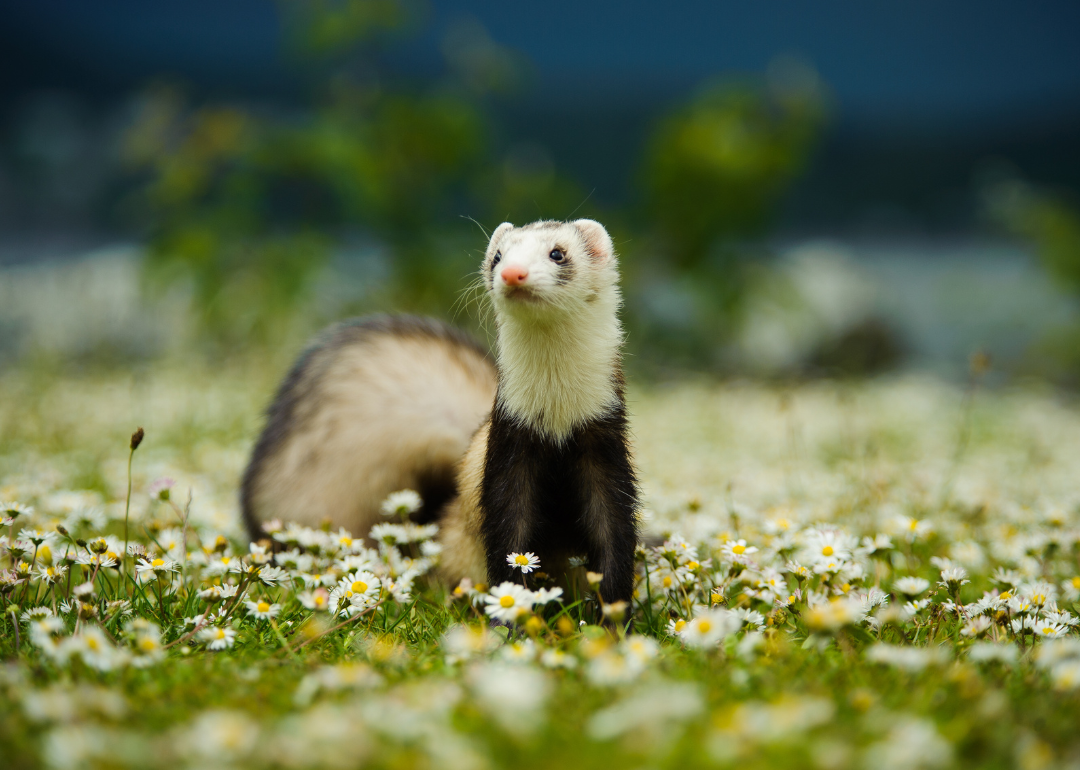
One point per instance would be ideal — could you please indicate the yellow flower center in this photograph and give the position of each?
(704, 626)
(1038, 599)
(521, 559)
(157, 563)
(263, 607)
(827, 551)
(91, 643)
(112, 555)
(845, 587)
(1005, 596)
(715, 598)
(220, 633)
(738, 548)
(1076, 581)
(680, 624)
(506, 601)
(359, 586)
(692, 566)
(667, 581)
(346, 541)
(914, 525)
(147, 644)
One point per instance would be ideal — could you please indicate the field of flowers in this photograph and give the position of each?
(839, 575)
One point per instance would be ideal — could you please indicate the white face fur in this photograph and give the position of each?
(554, 287)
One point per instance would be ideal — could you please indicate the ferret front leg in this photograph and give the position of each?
(509, 522)
(611, 532)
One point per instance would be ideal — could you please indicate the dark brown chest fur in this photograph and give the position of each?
(577, 497)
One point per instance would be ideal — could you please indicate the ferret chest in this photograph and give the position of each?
(548, 494)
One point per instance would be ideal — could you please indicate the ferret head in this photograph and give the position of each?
(555, 290)
(550, 268)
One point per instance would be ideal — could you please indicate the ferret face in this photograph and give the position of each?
(545, 267)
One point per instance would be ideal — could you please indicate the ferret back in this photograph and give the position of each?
(373, 406)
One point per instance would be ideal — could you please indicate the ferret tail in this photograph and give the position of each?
(372, 406)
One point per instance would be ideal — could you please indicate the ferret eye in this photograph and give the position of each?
(498, 256)
(557, 255)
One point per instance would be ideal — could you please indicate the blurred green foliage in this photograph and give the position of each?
(247, 206)
(713, 177)
(717, 168)
(1051, 222)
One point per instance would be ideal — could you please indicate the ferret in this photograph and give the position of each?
(531, 453)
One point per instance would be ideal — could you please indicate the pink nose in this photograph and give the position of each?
(514, 276)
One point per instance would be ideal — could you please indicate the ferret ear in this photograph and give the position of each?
(497, 236)
(597, 240)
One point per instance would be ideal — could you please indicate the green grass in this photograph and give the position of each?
(992, 484)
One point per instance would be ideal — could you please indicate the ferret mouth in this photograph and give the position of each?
(521, 294)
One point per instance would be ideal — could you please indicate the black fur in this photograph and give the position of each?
(301, 385)
(558, 500)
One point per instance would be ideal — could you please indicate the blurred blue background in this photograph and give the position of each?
(828, 189)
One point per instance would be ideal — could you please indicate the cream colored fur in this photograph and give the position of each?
(558, 344)
(459, 529)
(386, 409)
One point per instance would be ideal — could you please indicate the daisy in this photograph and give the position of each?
(318, 600)
(911, 586)
(546, 595)
(737, 551)
(95, 649)
(1071, 588)
(51, 574)
(976, 626)
(462, 642)
(11, 511)
(913, 529)
(828, 545)
(389, 534)
(675, 626)
(360, 587)
(403, 503)
(155, 568)
(273, 576)
(36, 613)
(508, 601)
(262, 609)
(558, 659)
(708, 628)
(526, 562)
(953, 577)
(218, 637)
(161, 489)
(258, 554)
(1051, 630)
(643, 648)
